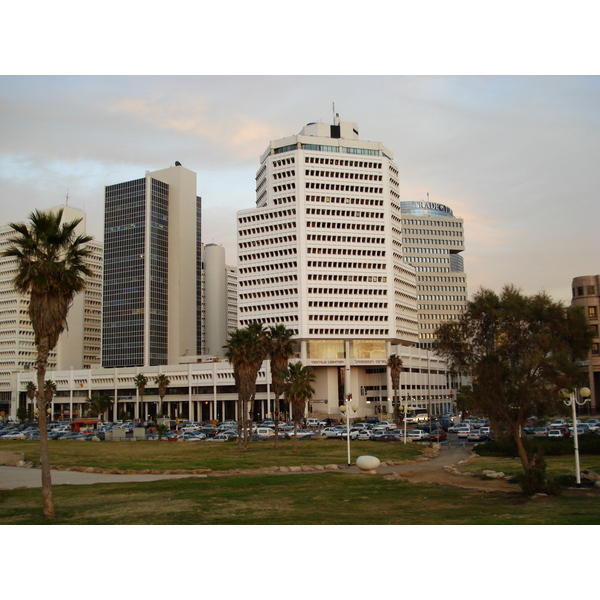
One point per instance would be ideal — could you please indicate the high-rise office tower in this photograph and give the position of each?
(152, 270)
(433, 239)
(78, 346)
(322, 251)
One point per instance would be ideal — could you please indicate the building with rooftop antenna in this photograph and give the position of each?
(321, 253)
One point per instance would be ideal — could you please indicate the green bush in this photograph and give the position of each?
(588, 444)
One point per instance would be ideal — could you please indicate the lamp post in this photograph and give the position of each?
(346, 408)
(405, 410)
(570, 399)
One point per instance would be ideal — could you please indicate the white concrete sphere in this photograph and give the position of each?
(367, 464)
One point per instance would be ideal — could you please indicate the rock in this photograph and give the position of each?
(331, 467)
(295, 469)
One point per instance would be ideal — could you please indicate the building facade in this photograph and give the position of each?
(433, 240)
(219, 300)
(322, 254)
(79, 346)
(586, 293)
(152, 270)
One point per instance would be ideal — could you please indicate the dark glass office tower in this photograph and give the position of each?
(152, 247)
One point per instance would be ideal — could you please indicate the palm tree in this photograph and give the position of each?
(281, 348)
(246, 349)
(141, 381)
(395, 366)
(98, 405)
(298, 391)
(30, 389)
(49, 391)
(163, 383)
(51, 269)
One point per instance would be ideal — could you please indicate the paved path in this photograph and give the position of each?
(19, 477)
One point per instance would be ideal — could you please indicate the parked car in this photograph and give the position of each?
(353, 434)
(455, 428)
(438, 435)
(364, 434)
(474, 435)
(593, 424)
(331, 432)
(388, 437)
(464, 431)
(417, 434)
(555, 433)
(540, 432)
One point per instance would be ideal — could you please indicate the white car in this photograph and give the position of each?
(463, 431)
(555, 433)
(331, 432)
(364, 434)
(455, 428)
(417, 434)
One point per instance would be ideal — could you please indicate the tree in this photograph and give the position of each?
(51, 269)
(395, 366)
(141, 381)
(163, 383)
(246, 349)
(30, 389)
(162, 429)
(520, 351)
(98, 405)
(281, 349)
(298, 391)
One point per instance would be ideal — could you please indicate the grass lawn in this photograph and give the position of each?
(326, 498)
(315, 499)
(206, 455)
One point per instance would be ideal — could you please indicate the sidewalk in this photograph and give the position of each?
(21, 477)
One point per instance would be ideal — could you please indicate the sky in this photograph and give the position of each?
(515, 156)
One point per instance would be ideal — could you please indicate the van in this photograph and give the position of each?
(313, 422)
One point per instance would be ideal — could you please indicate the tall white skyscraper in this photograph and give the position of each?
(322, 251)
(152, 270)
(78, 346)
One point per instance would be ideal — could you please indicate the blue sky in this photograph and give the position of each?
(515, 156)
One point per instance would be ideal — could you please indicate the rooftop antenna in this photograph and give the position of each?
(333, 110)
(67, 199)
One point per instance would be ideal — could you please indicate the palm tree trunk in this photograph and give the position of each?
(295, 436)
(47, 499)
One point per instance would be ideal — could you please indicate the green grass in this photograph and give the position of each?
(206, 455)
(315, 499)
(326, 498)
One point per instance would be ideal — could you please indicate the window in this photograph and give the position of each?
(592, 312)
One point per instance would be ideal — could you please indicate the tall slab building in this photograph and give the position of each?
(322, 252)
(152, 270)
(433, 242)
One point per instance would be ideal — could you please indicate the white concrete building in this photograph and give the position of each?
(78, 346)
(322, 254)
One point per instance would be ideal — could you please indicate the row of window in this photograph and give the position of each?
(342, 175)
(344, 265)
(340, 188)
(341, 162)
(345, 200)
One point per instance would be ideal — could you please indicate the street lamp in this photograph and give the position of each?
(570, 399)
(346, 408)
